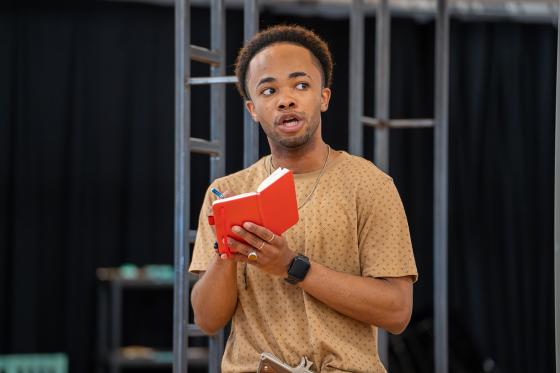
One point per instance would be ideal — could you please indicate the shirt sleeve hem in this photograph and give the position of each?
(414, 275)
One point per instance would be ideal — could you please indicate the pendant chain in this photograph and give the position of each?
(272, 167)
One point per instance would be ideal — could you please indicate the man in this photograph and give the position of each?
(322, 288)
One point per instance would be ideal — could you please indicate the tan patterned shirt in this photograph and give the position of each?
(355, 223)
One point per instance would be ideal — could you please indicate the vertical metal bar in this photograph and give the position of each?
(557, 205)
(216, 347)
(383, 347)
(382, 79)
(382, 101)
(116, 317)
(251, 129)
(218, 134)
(441, 357)
(356, 96)
(182, 186)
(218, 91)
(103, 358)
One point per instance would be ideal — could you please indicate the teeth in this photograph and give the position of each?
(291, 122)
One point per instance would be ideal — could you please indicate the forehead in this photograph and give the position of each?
(280, 59)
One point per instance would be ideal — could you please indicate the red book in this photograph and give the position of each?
(273, 206)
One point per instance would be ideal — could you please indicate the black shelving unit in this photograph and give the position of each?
(110, 291)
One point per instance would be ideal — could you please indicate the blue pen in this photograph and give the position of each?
(217, 193)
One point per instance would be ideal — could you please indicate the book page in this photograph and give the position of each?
(242, 195)
(280, 171)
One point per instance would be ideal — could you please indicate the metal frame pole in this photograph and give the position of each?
(382, 83)
(356, 96)
(382, 102)
(441, 357)
(182, 186)
(557, 206)
(251, 129)
(218, 135)
(217, 91)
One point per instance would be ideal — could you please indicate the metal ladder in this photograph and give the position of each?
(383, 123)
(215, 148)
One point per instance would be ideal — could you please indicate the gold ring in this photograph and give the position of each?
(272, 238)
(262, 245)
(252, 256)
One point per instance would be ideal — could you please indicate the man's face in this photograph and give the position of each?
(287, 94)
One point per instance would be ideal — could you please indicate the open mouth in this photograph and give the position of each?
(290, 122)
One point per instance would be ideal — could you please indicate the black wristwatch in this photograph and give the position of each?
(297, 269)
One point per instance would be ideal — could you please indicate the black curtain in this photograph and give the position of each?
(86, 172)
(86, 165)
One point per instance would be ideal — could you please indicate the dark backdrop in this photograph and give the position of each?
(86, 172)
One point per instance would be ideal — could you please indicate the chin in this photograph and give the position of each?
(294, 143)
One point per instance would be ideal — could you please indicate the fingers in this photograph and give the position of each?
(239, 247)
(261, 232)
(249, 238)
(236, 257)
(243, 252)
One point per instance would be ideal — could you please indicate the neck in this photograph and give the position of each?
(308, 158)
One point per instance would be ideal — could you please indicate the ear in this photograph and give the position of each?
(325, 98)
(251, 109)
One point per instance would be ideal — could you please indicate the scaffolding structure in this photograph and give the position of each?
(215, 148)
(534, 11)
(382, 124)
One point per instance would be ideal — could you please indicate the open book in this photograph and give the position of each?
(273, 206)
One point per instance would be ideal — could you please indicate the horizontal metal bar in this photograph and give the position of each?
(398, 123)
(204, 55)
(411, 123)
(192, 235)
(194, 331)
(212, 80)
(197, 358)
(202, 146)
(545, 11)
(370, 122)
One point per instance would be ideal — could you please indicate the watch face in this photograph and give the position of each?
(299, 268)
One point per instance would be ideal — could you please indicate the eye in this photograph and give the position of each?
(267, 91)
(302, 86)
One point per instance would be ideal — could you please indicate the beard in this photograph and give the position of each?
(293, 142)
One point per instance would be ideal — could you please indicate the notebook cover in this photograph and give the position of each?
(274, 208)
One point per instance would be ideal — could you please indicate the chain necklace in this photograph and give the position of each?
(308, 197)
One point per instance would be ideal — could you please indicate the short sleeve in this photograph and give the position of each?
(204, 244)
(383, 235)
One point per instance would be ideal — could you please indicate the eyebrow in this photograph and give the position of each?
(293, 75)
(297, 74)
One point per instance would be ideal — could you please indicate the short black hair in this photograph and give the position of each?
(293, 34)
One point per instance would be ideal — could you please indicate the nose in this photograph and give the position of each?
(286, 101)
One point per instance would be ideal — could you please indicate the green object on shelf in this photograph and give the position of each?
(161, 272)
(163, 356)
(34, 363)
(128, 271)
